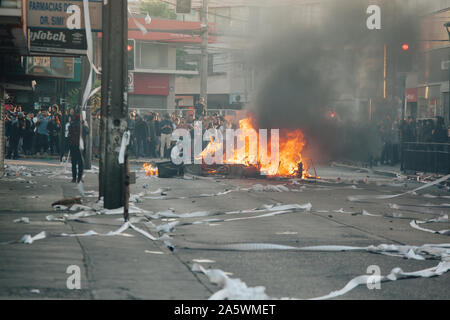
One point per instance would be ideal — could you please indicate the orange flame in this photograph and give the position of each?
(291, 145)
(150, 169)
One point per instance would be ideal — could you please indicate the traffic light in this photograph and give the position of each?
(404, 57)
(130, 51)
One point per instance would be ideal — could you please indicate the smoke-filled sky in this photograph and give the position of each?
(302, 71)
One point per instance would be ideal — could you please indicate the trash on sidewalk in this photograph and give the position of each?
(379, 197)
(232, 289)
(415, 224)
(169, 170)
(67, 202)
(22, 220)
(28, 239)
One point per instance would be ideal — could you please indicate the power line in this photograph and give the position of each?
(209, 13)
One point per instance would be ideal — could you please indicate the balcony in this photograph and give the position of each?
(11, 11)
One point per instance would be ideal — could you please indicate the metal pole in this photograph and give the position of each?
(105, 90)
(116, 102)
(204, 57)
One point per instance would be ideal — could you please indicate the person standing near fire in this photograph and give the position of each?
(166, 134)
(75, 130)
(200, 108)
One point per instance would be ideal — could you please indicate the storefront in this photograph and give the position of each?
(429, 101)
(150, 91)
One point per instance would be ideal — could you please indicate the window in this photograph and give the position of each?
(152, 56)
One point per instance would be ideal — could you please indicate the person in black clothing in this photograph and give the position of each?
(141, 132)
(18, 128)
(54, 128)
(428, 131)
(409, 131)
(132, 128)
(8, 122)
(157, 124)
(440, 133)
(150, 119)
(75, 129)
(28, 135)
(200, 108)
(166, 135)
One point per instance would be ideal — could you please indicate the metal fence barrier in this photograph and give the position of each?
(183, 112)
(426, 157)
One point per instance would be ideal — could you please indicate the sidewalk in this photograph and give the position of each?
(112, 267)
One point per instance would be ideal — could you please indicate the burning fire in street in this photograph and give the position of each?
(248, 152)
(291, 144)
(150, 169)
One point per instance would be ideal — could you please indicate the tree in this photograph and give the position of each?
(157, 9)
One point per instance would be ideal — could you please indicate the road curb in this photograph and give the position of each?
(373, 171)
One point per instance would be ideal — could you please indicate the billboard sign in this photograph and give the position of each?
(57, 27)
(57, 41)
(54, 67)
(63, 14)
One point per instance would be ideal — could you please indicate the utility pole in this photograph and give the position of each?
(204, 57)
(114, 102)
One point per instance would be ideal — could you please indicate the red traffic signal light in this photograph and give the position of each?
(405, 47)
(129, 48)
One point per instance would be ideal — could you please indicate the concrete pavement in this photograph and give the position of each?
(134, 267)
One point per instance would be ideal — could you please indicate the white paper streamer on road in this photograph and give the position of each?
(236, 289)
(22, 220)
(132, 209)
(270, 188)
(79, 207)
(440, 251)
(119, 231)
(415, 209)
(232, 289)
(80, 188)
(168, 227)
(396, 274)
(366, 213)
(415, 225)
(379, 197)
(28, 239)
(144, 233)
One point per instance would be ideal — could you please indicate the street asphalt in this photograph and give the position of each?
(131, 266)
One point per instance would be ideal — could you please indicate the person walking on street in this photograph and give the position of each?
(75, 130)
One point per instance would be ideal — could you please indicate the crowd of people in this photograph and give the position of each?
(46, 132)
(151, 133)
(42, 132)
(393, 133)
(37, 132)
